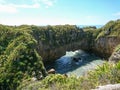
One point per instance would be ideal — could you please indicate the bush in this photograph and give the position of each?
(102, 75)
(19, 59)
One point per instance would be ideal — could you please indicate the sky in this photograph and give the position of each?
(55, 12)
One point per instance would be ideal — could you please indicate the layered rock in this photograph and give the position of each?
(105, 46)
(50, 54)
(54, 41)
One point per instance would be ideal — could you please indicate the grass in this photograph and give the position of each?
(112, 28)
(102, 75)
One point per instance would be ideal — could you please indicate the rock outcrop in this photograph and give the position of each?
(109, 87)
(105, 46)
(52, 71)
(115, 57)
(48, 53)
(54, 41)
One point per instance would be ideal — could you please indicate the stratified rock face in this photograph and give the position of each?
(54, 41)
(108, 40)
(105, 46)
(51, 53)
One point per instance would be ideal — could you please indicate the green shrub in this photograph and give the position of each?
(18, 58)
(102, 75)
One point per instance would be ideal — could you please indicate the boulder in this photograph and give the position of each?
(33, 79)
(109, 87)
(76, 59)
(51, 71)
(115, 57)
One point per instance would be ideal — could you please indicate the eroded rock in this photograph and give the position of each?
(51, 71)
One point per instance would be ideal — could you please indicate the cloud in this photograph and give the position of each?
(6, 7)
(25, 6)
(48, 2)
(39, 20)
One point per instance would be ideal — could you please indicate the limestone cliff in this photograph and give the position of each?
(105, 46)
(54, 41)
(52, 53)
(107, 40)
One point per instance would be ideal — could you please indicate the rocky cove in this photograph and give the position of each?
(76, 38)
(103, 46)
(76, 63)
(23, 49)
(92, 40)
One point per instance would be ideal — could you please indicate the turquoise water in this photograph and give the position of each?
(85, 62)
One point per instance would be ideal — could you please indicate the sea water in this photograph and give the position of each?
(85, 62)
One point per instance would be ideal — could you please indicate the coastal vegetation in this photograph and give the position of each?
(18, 57)
(102, 75)
(23, 49)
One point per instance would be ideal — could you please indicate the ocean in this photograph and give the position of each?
(97, 26)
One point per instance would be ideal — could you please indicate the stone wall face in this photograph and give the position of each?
(104, 46)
